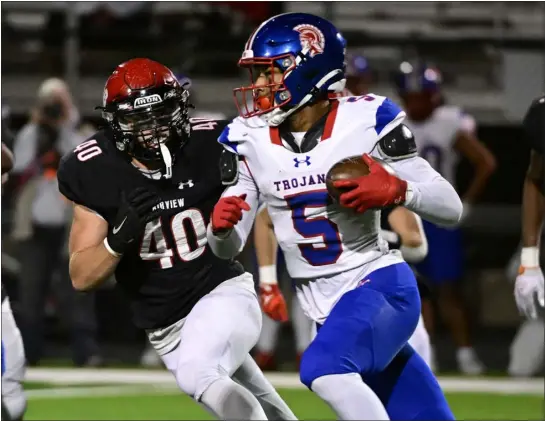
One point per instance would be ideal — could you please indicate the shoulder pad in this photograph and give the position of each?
(81, 170)
(228, 168)
(398, 144)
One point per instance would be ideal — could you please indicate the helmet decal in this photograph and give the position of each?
(311, 38)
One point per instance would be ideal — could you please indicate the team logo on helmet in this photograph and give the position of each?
(311, 38)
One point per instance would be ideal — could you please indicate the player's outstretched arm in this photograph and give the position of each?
(266, 247)
(90, 261)
(482, 160)
(428, 193)
(412, 238)
(233, 216)
(533, 202)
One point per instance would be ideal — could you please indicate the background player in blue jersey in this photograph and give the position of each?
(444, 134)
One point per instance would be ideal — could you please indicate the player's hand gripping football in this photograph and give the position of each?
(273, 303)
(133, 214)
(529, 285)
(378, 189)
(227, 213)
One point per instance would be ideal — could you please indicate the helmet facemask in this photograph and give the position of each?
(151, 133)
(264, 97)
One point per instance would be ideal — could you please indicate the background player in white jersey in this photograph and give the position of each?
(364, 298)
(271, 264)
(13, 352)
(443, 135)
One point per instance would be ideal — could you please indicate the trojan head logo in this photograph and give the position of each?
(311, 38)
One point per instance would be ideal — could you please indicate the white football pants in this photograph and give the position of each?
(13, 396)
(214, 342)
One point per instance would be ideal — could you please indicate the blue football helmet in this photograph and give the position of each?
(417, 78)
(308, 51)
(357, 65)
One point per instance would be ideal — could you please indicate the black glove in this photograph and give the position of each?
(134, 213)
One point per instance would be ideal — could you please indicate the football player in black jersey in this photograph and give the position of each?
(143, 189)
(529, 282)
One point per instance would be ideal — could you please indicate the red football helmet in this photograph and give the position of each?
(147, 109)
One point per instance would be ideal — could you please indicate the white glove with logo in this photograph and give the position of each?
(529, 284)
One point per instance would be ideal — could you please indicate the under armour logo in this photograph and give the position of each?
(184, 184)
(302, 161)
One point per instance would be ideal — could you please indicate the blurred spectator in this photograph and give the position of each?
(41, 224)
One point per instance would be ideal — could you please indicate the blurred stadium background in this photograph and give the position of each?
(492, 56)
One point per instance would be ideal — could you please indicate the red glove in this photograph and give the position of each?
(273, 303)
(227, 213)
(377, 189)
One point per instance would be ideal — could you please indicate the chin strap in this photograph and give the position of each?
(167, 158)
(278, 116)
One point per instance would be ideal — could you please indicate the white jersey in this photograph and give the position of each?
(328, 249)
(319, 239)
(436, 136)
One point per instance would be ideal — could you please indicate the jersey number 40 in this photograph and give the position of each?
(154, 238)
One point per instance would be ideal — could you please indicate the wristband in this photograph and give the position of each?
(529, 257)
(267, 275)
(110, 250)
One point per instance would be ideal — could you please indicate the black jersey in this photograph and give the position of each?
(534, 130)
(170, 267)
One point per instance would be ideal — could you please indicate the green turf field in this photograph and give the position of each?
(143, 395)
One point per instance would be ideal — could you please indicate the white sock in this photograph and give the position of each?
(269, 335)
(350, 397)
(252, 378)
(302, 326)
(465, 352)
(230, 401)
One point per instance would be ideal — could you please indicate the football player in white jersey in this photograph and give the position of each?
(409, 231)
(443, 134)
(363, 297)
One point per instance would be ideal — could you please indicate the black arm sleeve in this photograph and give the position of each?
(534, 125)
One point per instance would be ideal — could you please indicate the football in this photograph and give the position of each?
(345, 169)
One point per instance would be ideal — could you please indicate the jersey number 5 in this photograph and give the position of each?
(154, 236)
(331, 248)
